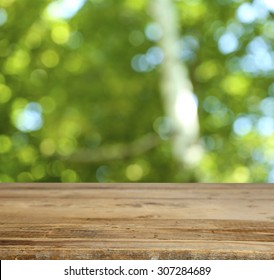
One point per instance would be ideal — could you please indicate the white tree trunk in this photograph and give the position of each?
(176, 88)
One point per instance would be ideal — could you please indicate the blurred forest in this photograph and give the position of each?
(84, 87)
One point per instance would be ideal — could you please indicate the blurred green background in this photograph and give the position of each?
(80, 91)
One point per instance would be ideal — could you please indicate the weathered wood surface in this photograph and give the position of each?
(136, 221)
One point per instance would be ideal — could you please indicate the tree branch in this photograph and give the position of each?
(176, 88)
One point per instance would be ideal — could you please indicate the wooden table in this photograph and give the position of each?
(136, 221)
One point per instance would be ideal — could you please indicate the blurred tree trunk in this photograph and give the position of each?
(176, 88)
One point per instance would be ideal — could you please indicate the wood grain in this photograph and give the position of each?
(136, 221)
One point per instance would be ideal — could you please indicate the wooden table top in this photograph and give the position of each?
(136, 221)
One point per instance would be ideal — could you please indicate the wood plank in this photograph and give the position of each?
(136, 221)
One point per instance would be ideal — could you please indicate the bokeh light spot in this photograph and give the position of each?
(139, 63)
(35, 35)
(27, 155)
(188, 47)
(267, 106)
(102, 173)
(6, 178)
(265, 126)
(241, 174)
(50, 58)
(271, 176)
(268, 29)
(246, 13)
(17, 62)
(48, 104)
(137, 5)
(64, 9)
(235, 85)
(164, 127)
(269, 4)
(154, 32)
(38, 76)
(154, 56)
(3, 16)
(212, 104)
(56, 168)
(5, 144)
(30, 118)
(69, 175)
(207, 70)
(242, 125)
(74, 64)
(38, 171)
(66, 146)
(5, 93)
(60, 34)
(48, 147)
(134, 172)
(228, 43)
(25, 177)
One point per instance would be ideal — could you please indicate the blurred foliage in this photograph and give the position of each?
(75, 108)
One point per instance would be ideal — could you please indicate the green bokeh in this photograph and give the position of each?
(96, 119)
